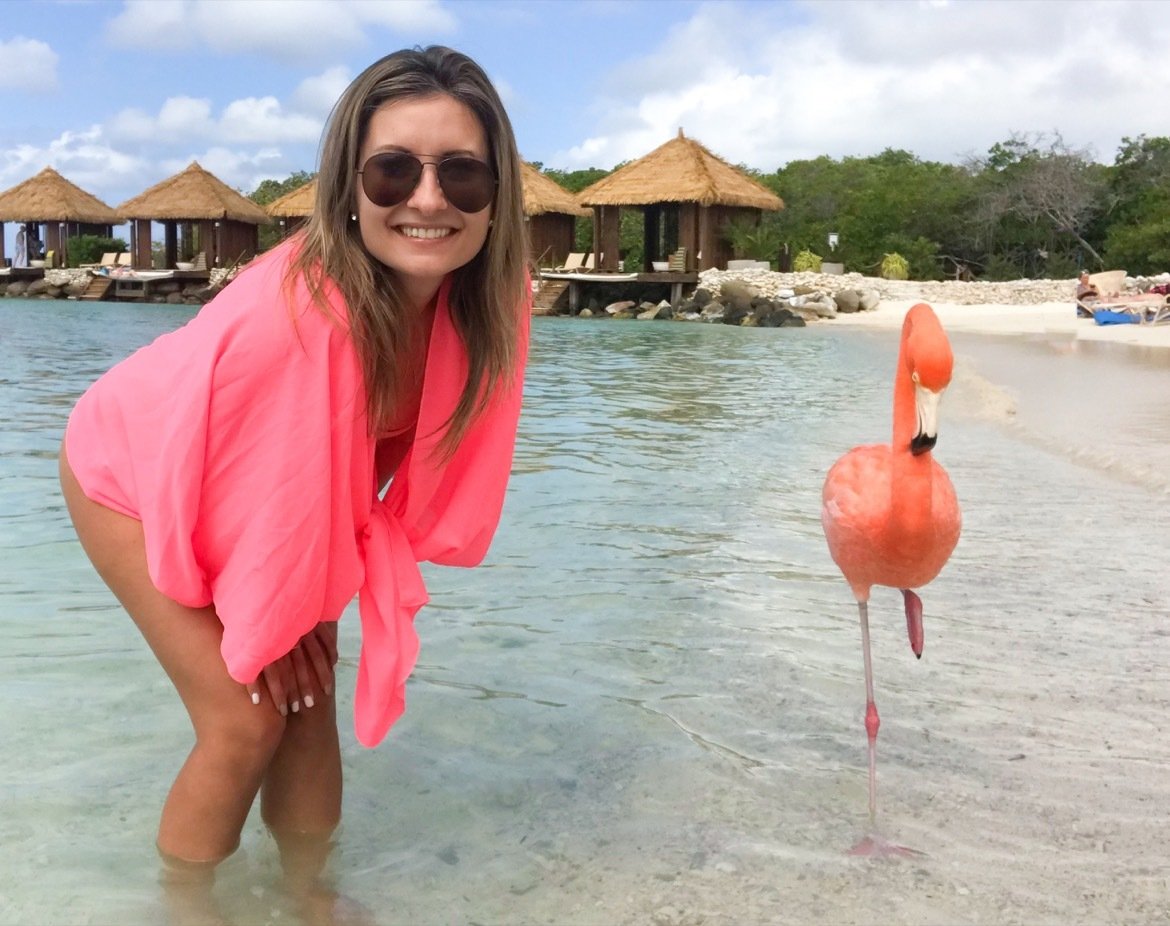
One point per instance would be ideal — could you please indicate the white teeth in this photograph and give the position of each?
(412, 231)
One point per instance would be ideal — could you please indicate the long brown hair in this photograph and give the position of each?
(487, 294)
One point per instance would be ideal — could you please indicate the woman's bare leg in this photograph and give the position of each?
(302, 787)
(235, 740)
(301, 802)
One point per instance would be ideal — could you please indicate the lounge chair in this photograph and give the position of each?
(1136, 309)
(1109, 283)
(574, 262)
(590, 261)
(108, 261)
(677, 263)
(125, 259)
(200, 261)
(1158, 313)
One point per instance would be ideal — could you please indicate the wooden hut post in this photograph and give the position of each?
(3, 259)
(610, 238)
(53, 239)
(651, 236)
(140, 255)
(170, 243)
(708, 239)
(689, 221)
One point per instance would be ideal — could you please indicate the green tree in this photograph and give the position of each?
(1138, 234)
(876, 205)
(268, 191)
(1040, 202)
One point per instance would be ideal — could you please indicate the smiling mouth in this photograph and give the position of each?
(416, 231)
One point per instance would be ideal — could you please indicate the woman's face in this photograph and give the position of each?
(424, 237)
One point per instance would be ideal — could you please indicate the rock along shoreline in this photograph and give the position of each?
(766, 298)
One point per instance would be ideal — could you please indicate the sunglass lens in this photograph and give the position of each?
(388, 179)
(468, 184)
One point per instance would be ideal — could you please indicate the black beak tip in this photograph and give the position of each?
(922, 443)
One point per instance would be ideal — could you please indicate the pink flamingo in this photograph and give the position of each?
(890, 514)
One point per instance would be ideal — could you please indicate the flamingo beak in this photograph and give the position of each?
(926, 403)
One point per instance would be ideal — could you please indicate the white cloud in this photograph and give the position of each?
(182, 116)
(263, 120)
(306, 30)
(315, 96)
(27, 65)
(156, 24)
(84, 158)
(245, 121)
(241, 170)
(766, 84)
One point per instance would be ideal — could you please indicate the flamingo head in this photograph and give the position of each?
(929, 361)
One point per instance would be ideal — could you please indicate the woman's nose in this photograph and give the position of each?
(428, 195)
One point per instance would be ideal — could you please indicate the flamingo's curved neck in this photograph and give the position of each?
(910, 485)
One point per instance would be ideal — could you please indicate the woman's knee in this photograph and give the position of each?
(246, 737)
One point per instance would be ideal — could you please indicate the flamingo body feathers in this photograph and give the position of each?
(867, 542)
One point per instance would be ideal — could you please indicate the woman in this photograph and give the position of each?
(225, 480)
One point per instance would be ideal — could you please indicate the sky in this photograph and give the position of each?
(119, 94)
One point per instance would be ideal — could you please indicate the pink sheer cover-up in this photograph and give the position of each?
(241, 443)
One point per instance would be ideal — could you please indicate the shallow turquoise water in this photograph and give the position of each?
(646, 706)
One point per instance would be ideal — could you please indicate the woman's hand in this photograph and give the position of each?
(292, 680)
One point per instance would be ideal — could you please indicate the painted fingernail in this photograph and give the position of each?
(284, 710)
(328, 689)
(296, 706)
(255, 697)
(308, 700)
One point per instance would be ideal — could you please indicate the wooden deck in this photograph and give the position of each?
(679, 282)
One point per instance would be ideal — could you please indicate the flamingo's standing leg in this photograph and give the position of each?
(873, 844)
(872, 721)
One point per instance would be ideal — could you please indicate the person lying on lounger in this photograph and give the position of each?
(1087, 294)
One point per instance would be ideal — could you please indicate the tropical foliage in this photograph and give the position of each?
(806, 260)
(1031, 206)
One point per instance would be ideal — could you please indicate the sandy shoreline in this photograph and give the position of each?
(1053, 319)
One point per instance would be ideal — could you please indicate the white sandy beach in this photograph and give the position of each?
(1055, 319)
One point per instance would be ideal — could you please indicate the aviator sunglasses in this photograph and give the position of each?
(389, 178)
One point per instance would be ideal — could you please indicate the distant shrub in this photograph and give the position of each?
(895, 267)
(1000, 269)
(88, 249)
(753, 240)
(806, 261)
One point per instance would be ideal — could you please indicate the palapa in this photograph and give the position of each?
(680, 171)
(296, 203)
(543, 195)
(190, 195)
(49, 197)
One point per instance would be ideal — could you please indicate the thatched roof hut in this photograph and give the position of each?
(552, 213)
(687, 194)
(63, 208)
(214, 219)
(293, 208)
(296, 203)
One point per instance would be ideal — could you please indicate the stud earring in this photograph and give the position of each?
(353, 216)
